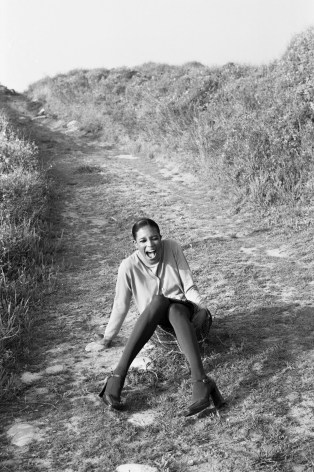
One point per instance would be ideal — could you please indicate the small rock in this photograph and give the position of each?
(141, 363)
(54, 369)
(136, 468)
(72, 124)
(248, 250)
(22, 434)
(41, 112)
(94, 347)
(30, 377)
(41, 391)
(278, 252)
(142, 419)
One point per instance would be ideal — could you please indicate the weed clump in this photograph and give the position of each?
(23, 263)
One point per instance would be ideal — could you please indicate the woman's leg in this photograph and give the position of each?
(179, 317)
(144, 328)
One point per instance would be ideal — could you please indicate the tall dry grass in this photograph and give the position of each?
(25, 262)
(247, 129)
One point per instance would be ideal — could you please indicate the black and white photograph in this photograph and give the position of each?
(157, 236)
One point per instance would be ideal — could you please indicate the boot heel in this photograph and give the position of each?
(211, 394)
(217, 398)
(101, 394)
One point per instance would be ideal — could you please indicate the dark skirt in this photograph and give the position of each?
(164, 335)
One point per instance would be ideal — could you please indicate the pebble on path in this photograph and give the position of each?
(41, 390)
(276, 253)
(30, 377)
(140, 363)
(22, 434)
(248, 250)
(94, 347)
(136, 468)
(55, 369)
(142, 419)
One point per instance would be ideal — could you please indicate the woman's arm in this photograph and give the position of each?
(118, 314)
(120, 307)
(190, 289)
(191, 292)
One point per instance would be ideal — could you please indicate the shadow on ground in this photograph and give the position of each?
(261, 346)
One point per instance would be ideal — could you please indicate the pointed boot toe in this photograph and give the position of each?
(111, 400)
(197, 407)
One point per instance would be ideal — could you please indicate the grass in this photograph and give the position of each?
(26, 263)
(248, 130)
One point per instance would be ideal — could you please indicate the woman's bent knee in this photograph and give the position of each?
(159, 301)
(178, 311)
(158, 308)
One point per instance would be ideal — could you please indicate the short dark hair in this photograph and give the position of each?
(141, 223)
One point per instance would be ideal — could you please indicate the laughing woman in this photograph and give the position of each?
(158, 277)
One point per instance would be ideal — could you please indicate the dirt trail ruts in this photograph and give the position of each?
(102, 192)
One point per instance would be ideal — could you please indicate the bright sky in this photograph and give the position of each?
(47, 37)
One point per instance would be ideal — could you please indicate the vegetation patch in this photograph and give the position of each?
(247, 130)
(88, 169)
(25, 253)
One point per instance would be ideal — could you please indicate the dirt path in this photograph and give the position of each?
(236, 264)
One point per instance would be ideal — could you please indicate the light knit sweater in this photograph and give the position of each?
(172, 278)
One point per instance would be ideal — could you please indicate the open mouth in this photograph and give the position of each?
(151, 254)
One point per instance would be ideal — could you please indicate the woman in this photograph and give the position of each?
(157, 275)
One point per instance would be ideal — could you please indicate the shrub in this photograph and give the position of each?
(23, 262)
(248, 129)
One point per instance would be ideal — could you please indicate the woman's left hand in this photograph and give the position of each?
(200, 318)
(106, 343)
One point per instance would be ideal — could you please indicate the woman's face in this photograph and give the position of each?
(148, 242)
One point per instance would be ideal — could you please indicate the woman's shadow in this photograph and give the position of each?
(250, 350)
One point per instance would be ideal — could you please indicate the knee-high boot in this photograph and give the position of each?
(204, 388)
(141, 333)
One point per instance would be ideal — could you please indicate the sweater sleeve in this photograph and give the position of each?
(121, 303)
(190, 289)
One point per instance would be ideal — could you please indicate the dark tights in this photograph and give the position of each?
(160, 311)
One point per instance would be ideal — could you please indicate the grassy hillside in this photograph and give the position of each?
(248, 130)
(25, 259)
